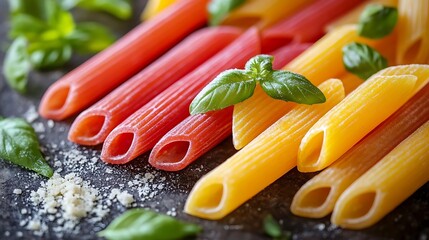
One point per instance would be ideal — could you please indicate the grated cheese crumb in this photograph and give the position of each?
(17, 191)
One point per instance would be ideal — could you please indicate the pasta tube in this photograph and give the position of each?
(413, 32)
(392, 180)
(264, 160)
(317, 197)
(360, 112)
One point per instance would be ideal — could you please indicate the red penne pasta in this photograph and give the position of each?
(189, 140)
(284, 55)
(131, 53)
(306, 25)
(139, 133)
(197, 134)
(93, 125)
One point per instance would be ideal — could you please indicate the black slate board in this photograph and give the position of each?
(409, 221)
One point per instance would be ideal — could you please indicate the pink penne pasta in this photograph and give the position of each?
(94, 124)
(140, 132)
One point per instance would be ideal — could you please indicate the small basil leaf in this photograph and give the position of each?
(17, 65)
(260, 66)
(228, 88)
(288, 86)
(218, 9)
(19, 145)
(62, 22)
(118, 8)
(272, 228)
(362, 60)
(48, 55)
(377, 21)
(90, 38)
(144, 224)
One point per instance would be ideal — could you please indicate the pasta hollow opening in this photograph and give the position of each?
(173, 152)
(90, 126)
(359, 206)
(210, 197)
(121, 144)
(315, 198)
(313, 151)
(58, 98)
(411, 53)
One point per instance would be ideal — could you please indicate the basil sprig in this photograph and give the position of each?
(377, 21)
(45, 35)
(362, 60)
(19, 145)
(218, 9)
(236, 85)
(145, 224)
(272, 228)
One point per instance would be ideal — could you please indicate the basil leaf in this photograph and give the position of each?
(90, 38)
(49, 54)
(144, 224)
(377, 21)
(272, 228)
(260, 65)
(288, 86)
(17, 65)
(218, 9)
(26, 25)
(118, 8)
(228, 88)
(362, 60)
(19, 145)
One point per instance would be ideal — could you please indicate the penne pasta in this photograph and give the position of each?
(197, 134)
(154, 7)
(190, 139)
(284, 55)
(317, 197)
(93, 125)
(413, 32)
(140, 132)
(263, 13)
(321, 61)
(392, 180)
(307, 25)
(105, 71)
(358, 114)
(264, 160)
(352, 17)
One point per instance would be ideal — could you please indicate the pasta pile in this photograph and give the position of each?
(368, 137)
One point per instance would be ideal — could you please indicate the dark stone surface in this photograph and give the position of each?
(409, 221)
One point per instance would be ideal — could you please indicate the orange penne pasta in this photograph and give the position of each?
(94, 124)
(140, 132)
(318, 196)
(105, 71)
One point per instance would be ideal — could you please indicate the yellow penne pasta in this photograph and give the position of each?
(263, 13)
(153, 7)
(260, 163)
(352, 17)
(321, 61)
(317, 197)
(350, 82)
(360, 112)
(387, 184)
(413, 32)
